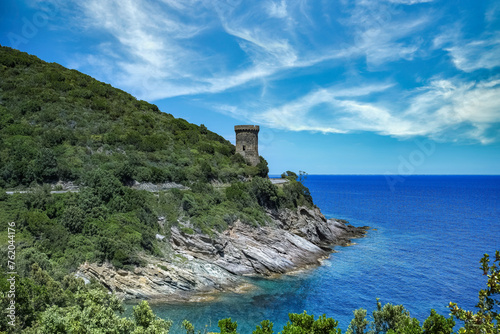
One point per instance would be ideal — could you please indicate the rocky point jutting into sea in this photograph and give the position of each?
(203, 264)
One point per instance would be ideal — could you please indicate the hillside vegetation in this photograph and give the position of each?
(58, 124)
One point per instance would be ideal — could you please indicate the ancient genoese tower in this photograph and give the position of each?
(247, 142)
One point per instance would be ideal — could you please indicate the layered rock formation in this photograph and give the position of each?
(204, 264)
(183, 279)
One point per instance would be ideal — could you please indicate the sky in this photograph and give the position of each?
(338, 87)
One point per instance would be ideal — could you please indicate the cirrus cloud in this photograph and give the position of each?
(305, 66)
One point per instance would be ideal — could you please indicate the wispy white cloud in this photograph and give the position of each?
(470, 54)
(146, 41)
(262, 47)
(156, 54)
(478, 54)
(436, 110)
(159, 50)
(277, 9)
(383, 44)
(492, 14)
(334, 103)
(410, 2)
(383, 34)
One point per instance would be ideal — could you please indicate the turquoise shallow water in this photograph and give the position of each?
(430, 233)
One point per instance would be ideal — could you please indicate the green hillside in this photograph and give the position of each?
(57, 124)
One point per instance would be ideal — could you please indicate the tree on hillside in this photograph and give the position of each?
(487, 319)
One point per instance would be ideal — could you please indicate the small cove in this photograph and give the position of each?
(429, 234)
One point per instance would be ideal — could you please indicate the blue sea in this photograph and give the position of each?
(428, 234)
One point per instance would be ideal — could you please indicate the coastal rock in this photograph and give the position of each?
(247, 250)
(298, 239)
(161, 279)
(311, 224)
(209, 263)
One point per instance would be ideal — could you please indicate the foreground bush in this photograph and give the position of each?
(46, 306)
(395, 319)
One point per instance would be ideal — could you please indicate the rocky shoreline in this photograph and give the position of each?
(202, 264)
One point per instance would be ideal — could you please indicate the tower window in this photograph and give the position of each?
(243, 147)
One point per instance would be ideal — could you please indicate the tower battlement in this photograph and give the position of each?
(246, 128)
(247, 142)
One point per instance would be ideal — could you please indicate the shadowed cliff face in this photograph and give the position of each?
(296, 240)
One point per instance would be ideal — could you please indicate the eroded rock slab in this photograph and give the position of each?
(163, 279)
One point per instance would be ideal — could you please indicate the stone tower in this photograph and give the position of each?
(247, 142)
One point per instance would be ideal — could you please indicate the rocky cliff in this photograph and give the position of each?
(208, 263)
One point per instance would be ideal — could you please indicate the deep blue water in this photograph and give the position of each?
(429, 234)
